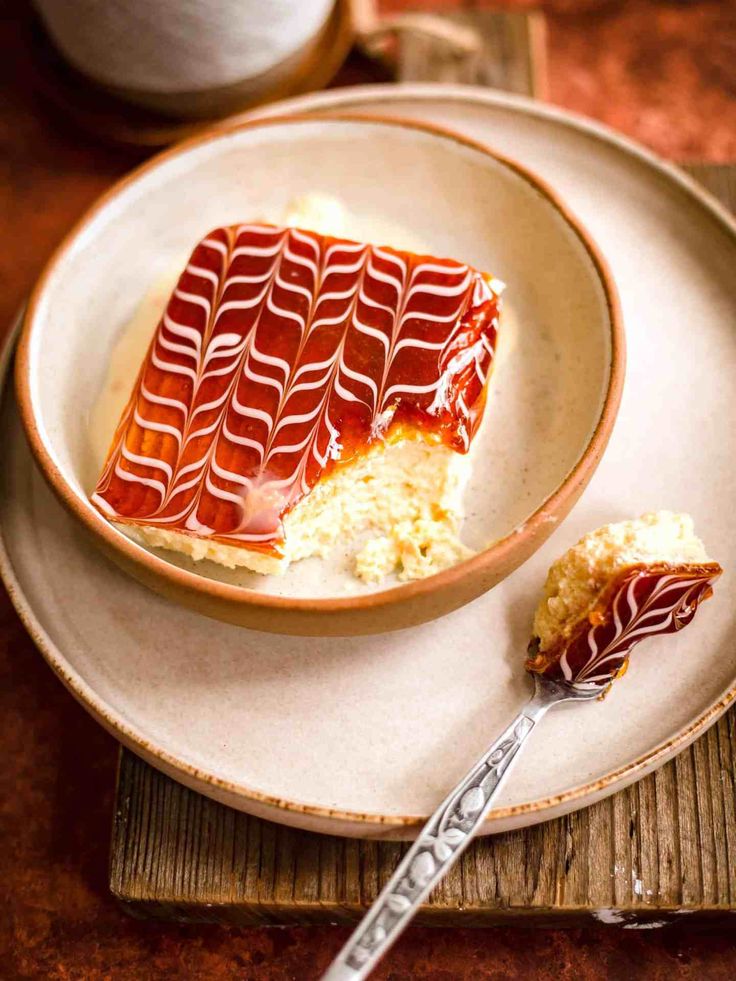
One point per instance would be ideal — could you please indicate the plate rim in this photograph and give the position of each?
(333, 821)
(312, 103)
(487, 566)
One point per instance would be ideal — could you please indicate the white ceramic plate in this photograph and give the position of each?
(364, 736)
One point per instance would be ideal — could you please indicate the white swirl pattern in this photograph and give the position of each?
(667, 602)
(280, 352)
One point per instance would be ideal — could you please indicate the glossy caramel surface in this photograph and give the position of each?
(642, 601)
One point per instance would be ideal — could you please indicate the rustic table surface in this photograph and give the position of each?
(659, 70)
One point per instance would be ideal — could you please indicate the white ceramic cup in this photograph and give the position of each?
(156, 51)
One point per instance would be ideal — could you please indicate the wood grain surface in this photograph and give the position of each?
(663, 847)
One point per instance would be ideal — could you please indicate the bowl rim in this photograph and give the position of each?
(495, 556)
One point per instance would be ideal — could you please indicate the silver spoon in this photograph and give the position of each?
(445, 837)
(644, 602)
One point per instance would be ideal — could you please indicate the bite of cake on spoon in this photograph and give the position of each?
(617, 586)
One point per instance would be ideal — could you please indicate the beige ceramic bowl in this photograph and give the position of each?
(555, 391)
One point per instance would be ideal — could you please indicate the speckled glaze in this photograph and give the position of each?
(554, 401)
(321, 733)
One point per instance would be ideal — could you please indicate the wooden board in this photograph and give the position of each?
(661, 847)
(510, 54)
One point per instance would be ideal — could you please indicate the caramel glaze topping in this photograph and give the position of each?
(641, 601)
(281, 355)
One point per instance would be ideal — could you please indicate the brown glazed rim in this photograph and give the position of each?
(492, 557)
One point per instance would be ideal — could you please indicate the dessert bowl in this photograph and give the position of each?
(553, 397)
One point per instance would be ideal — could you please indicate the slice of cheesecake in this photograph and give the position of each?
(619, 585)
(302, 390)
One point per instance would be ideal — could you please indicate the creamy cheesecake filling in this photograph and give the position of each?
(409, 493)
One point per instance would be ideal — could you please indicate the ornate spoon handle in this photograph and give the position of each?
(438, 847)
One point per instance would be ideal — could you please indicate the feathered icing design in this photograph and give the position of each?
(642, 601)
(280, 354)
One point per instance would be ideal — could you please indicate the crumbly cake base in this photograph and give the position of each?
(406, 494)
